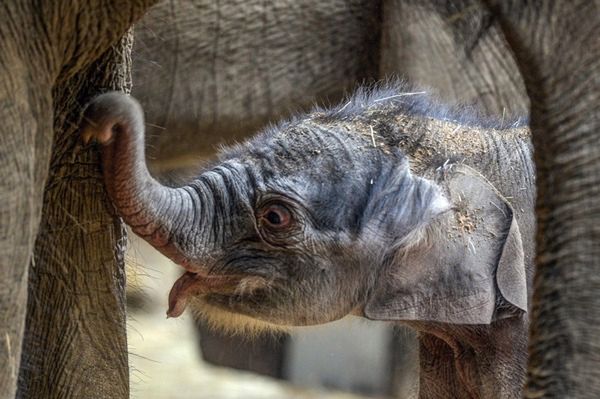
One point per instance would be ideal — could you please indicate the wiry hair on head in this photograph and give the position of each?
(411, 100)
(389, 97)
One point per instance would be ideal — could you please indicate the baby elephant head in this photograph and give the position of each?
(309, 222)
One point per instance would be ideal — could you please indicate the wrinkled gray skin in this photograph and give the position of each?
(206, 77)
(384, 207)
(503, 56)
(213, 72)
(558, 53)
(210, 72)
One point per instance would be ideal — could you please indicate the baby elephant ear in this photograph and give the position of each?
(467, 266)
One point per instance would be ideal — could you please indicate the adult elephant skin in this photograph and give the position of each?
(209, 73)
(215, 72)
(558, 52)
(61, 271)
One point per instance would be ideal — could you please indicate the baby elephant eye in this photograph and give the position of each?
(276, 216)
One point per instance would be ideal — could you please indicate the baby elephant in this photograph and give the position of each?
(386, 207)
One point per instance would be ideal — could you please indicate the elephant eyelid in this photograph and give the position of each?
(277, 216)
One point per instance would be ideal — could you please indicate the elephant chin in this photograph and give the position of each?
(222, 318)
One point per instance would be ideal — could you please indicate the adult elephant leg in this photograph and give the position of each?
(25, 143)
(74, 343)
(558, 52)
(456, 48)
(76, 311)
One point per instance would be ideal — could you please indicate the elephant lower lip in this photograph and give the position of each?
(190, 284)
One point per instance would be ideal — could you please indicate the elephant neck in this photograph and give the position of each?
(482, 361)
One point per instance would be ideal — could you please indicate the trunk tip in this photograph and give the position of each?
(106, 114)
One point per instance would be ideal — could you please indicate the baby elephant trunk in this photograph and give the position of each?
(159, 214)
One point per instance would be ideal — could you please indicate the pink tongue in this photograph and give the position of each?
(185, 286)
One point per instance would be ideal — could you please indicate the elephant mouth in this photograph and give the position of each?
(193, 284)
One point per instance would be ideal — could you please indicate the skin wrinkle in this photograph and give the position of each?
(205, 203)
(188, 240)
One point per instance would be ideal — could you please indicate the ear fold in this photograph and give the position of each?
(400, 202)
(469, 267)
